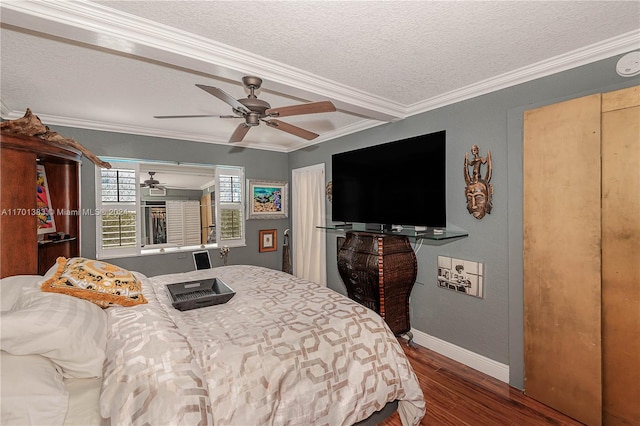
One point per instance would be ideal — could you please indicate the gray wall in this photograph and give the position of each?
(258, 164)
(492, 326)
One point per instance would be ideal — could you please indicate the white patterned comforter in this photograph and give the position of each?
(282, 351)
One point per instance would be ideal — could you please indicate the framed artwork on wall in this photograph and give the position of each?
(268, 240)
(267, 199)
(44, 212)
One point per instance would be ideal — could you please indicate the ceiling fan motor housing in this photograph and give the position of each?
(255, 105)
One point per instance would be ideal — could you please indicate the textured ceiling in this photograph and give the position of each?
(113, 65)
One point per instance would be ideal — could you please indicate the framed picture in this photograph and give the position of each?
(44, 211)
(267, 199)
(268, 240)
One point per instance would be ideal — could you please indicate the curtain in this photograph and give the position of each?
(308, 212)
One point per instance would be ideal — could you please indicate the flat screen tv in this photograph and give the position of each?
(396, 183)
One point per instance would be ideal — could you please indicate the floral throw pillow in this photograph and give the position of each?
(99, 282)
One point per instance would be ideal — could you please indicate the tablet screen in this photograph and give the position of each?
(202, 260)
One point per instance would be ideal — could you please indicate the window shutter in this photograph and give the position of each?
(230, 217)
(183, 223)
(174, 223)
(117, 220)
(192, 223)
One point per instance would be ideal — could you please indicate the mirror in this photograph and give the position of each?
(178, 204)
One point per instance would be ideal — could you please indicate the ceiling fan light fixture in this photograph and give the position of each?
(252, 119)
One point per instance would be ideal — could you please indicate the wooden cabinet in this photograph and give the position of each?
(379, 272)
(20, 251)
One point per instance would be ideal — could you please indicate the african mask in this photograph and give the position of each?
(478, 190)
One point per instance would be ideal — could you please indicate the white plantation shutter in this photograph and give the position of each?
(174, 223)
(191, 223)
(117, 207)
(230, 206)
(183, 222)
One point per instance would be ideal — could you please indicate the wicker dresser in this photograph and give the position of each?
(379, 272)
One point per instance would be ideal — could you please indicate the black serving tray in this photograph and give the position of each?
(198, 294)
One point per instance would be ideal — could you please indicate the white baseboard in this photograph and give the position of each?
(471, 359)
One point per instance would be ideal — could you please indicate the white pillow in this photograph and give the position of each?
(71, 332)
(11, 288)
(32, 391)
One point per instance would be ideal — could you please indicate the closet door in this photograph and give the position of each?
(183, 223)
(192, 227)
(621, 256)
(562, 290)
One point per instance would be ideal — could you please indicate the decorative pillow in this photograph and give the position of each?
(33, 392)
(69, 331)
(98, 282)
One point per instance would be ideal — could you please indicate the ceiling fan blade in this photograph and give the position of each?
(185, 116)
(290, 128)
(240, 132)
(310, 108)
(223, 96)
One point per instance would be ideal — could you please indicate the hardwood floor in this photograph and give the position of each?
(459, 395)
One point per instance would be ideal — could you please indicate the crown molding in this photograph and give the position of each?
(55, 120)
(344, 131)
(595, 52)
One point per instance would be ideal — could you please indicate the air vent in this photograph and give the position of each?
(157, 192)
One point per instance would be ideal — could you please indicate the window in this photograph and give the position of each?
(190, 206)
(230, 205)
(117, 210)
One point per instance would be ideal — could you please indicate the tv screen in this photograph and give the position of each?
(396, 183)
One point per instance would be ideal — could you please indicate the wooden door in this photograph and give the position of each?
(562, 279)
(621, 256)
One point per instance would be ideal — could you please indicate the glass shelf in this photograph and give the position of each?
(434, 234)
(62, 240)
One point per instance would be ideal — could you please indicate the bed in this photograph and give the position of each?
(282, 351)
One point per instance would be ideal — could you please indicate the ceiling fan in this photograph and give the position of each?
(255, 110)
(152, 182)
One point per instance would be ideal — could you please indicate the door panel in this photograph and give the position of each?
(620, 256)
(562, 260)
